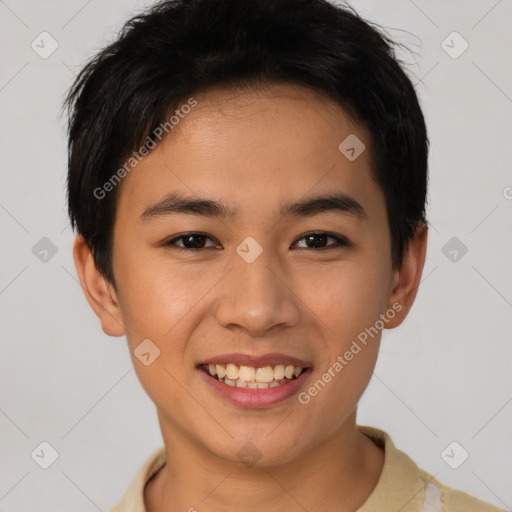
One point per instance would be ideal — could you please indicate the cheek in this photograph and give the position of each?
(157, 295)
(348, 301)
(345, 305)
(346, 297)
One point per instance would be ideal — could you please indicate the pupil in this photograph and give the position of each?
(192, 237)
(316, 244)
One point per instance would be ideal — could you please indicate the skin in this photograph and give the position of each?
(255, 149)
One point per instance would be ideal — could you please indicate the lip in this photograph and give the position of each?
(270, 359)
(255, 398)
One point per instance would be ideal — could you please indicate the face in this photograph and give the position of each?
(247, 239)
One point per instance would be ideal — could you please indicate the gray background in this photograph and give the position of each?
(445, 375)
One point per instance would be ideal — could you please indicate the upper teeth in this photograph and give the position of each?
(252, 374)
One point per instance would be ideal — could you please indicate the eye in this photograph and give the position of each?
(318, 240)
(191, 242)
(314, 240)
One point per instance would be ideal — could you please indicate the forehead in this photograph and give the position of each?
(253, 115)
(252, 146)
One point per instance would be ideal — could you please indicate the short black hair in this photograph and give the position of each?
(179, 47)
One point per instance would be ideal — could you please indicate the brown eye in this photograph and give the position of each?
(320, 241)
(190, 242)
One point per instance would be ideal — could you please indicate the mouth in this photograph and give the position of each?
(253, 377)
(250, 381)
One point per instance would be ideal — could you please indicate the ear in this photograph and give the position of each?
(407, 279)
(100, 294)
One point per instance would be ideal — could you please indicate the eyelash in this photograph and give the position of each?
(341, 241)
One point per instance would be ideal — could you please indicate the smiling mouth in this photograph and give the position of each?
(251, 377)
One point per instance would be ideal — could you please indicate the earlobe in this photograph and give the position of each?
(99, 293)
(407, 279)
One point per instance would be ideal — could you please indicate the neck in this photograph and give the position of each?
(339, 473)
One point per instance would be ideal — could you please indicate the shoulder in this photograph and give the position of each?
(406, 487)
(453, 500)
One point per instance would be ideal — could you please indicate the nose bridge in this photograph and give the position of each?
(255, 296)
(258, 279)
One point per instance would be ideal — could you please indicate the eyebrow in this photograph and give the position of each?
(175, 203)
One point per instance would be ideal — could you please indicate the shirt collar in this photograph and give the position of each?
(400, 486)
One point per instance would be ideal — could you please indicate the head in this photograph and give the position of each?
(248, 178)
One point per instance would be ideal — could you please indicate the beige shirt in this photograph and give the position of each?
(402, 486)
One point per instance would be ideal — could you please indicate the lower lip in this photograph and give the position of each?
(256, 398)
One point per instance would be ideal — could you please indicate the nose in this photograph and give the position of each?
(257, 297)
